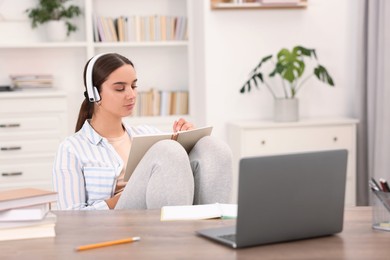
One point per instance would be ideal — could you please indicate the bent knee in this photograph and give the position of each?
(214, 146)
(169, 148)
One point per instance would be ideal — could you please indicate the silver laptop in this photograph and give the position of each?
(287, 197)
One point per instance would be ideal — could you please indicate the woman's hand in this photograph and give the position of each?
(182, 125)
(111, 202)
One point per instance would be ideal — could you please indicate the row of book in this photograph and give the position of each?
(31, 80)
(161, 103)
(25, 213)
(138, 28)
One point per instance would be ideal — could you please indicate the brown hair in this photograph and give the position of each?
(102, 68)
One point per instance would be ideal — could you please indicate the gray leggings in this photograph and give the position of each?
(167, 175)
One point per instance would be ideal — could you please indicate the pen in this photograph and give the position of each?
(374, 185)
(108, 243)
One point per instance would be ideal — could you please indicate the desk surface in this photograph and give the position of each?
(177, 240)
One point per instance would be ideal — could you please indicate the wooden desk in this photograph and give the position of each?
(177, 240)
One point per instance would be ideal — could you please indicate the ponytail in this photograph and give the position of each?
(86, 111)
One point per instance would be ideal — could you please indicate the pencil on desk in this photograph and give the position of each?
(108, 243)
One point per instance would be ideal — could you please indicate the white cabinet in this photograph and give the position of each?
(253, 138)
(32, 124)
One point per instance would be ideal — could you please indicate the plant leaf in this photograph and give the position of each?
(302, 51)
(290, 66)
(323, 75)
(263, 60)
(242, 90)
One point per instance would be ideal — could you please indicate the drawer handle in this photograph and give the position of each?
(9, 125)
(7, 174)
(11, 148)
(335, 139)
(263, 142)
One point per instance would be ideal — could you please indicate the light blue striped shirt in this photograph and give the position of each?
(86, 168)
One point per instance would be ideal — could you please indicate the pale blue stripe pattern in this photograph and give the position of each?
(86, 168)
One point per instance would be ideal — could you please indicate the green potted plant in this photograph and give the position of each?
(290, 68)
(54, 13)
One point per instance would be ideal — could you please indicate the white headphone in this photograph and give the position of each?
(92, 91)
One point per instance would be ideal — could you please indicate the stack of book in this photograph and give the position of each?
(25, 213)
(32, 80)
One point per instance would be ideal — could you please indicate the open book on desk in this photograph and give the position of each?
(141, 144)
(196, 212)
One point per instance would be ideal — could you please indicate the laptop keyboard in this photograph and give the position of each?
(230, 237)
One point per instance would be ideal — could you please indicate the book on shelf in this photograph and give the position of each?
(163, 27)
(152, 26)
(16, 198)
(198, 212)
(141, 144)
(33, 212)
(95, 29)
(32, 80)
(112, 29)
(120, 28)
(99, 29)
(17, 230)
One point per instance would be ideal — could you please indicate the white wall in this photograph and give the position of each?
(236, 40)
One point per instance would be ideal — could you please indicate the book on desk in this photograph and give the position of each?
(197, 212)
(25, 213)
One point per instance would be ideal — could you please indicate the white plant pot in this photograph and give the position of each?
(56, 31)
(286, 110)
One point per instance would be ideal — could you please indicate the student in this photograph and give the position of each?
(89, 166)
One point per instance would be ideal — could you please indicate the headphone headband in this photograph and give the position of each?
(93, 93)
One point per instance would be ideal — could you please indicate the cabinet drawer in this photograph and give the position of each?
(22, 147)
(32, 105)
(25, 172)
(281, 140)
(21, 124)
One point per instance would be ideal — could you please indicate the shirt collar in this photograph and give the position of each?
(94, 137)
(90, 133)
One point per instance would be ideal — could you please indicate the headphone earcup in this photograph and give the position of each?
(96, 94)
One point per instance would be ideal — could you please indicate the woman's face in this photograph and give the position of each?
(118, 93)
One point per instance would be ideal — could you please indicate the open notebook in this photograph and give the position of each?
(141, 144)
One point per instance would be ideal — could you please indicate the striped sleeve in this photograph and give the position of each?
(69, 182)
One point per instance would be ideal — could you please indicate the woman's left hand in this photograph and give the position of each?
(182, 125)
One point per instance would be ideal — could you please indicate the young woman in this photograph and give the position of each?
(90, 165)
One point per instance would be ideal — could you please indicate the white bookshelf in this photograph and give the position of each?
(164, 65)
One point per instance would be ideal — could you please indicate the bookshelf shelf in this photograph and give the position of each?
(220, 5)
